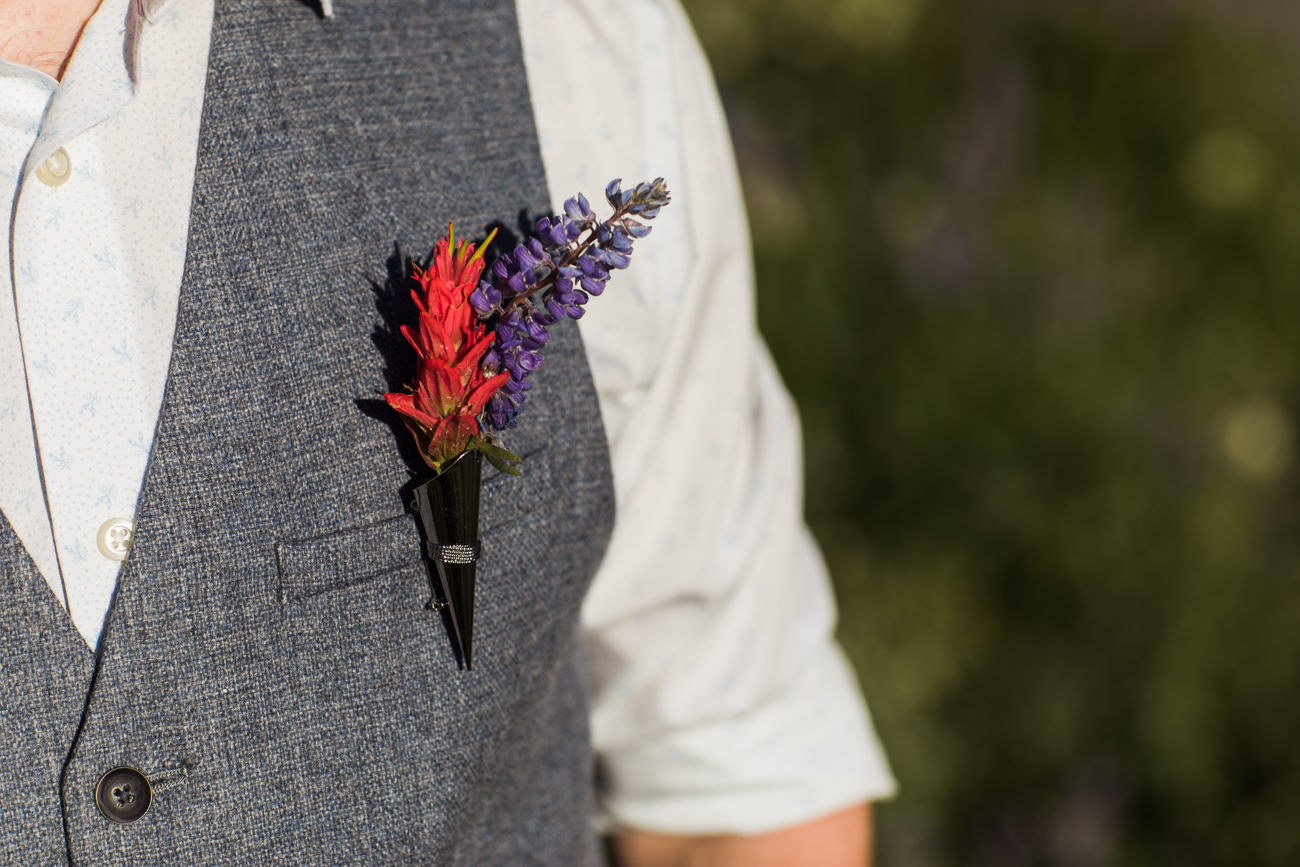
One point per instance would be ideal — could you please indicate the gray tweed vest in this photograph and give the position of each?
(268, 661)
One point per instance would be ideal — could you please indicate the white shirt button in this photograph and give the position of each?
(114, 538)
(56, 169)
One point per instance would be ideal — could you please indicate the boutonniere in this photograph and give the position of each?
(478, 337)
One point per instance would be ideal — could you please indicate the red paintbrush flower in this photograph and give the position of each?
(450, 390)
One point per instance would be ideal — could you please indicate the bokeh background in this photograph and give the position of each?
(1032, 270)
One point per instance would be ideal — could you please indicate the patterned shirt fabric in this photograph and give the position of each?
(98, 248)
(720, 701)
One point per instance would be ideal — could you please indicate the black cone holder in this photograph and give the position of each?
(448, 505)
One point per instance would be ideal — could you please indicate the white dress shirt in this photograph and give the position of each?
(720, 701)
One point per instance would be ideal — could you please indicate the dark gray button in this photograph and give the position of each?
(123, 795)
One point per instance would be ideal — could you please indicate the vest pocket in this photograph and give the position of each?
(353, 601)
(345, 558)
(359, 555)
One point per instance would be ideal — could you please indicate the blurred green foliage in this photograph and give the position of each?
(1032, 270)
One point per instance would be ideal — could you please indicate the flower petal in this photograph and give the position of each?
(468, 363)
(404, 403)
(480, 396)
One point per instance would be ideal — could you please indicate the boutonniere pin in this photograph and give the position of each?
(478, 337)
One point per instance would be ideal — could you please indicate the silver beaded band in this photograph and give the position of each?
(458, 555)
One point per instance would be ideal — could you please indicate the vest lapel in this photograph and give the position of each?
(45, 671)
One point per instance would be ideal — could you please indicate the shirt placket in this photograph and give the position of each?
(24, 96)
(72, 290)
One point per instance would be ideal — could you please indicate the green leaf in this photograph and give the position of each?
(504, 460)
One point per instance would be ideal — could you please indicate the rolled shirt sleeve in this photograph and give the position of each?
(720, 701)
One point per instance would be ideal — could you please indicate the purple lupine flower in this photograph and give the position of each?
(536, 334)
(578, 208)
(485, 298)
(524, 258)
(551, 276)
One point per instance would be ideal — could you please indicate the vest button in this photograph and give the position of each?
(123, 795)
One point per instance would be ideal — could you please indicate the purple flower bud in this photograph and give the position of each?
(613, 258)
(591, 268)
(508, 332)
(496, 415)
(530, 361)
(568, 296)
(621, 241)
(593, 285)
(536, 331)
(636, 229)
(578, 209)
(524, 258)
(556, 235)
(478, 300)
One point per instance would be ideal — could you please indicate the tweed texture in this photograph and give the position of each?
(44, 671)
(267, 649)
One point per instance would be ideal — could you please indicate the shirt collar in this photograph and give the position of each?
(140, 14)
(97, 82)
(150, 9)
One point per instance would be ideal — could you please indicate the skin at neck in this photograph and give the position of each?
(42, 33)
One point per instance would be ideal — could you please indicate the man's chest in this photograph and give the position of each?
(268, 634)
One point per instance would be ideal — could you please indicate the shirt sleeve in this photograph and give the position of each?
(721, 702)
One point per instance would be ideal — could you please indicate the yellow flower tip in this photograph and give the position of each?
(482, 248)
